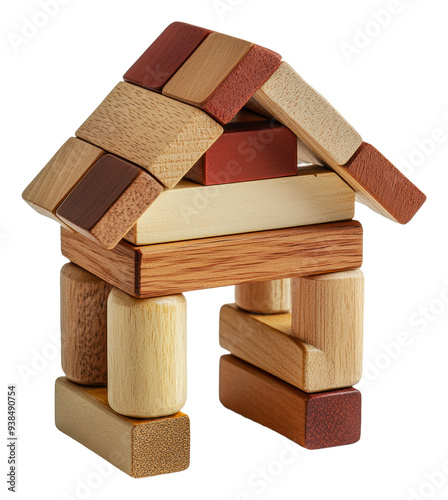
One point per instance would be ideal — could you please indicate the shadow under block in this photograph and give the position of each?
(108, 200)
(128, 123)
(222, 74)
(264, 297)
(61, 174)
(314, 421)
(139, 447)
(165, 56)
(84, 326)
(189, 211)
(172, 268)
(146, 354)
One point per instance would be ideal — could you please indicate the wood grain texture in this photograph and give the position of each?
(139, 447)
(164, 136)
(314, 421)
(166, 269)
(381, 186)
(165, 56)
(108, 201)
(190, 211)
(222, 74)
(247, 152)
(84, 326)
(265, 297)
(61, 174)
(147, 354)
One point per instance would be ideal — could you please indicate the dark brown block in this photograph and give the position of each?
(166, 55)
(320, 420)
(108, 200)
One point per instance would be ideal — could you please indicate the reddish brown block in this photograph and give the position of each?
(320, 420)
(166, 55)
(108, 200)
(248, 150)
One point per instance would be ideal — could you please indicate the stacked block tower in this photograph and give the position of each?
(214, 163)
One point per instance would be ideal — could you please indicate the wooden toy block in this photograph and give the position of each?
(165, 56)
(108, 200)
(190, 211)
(61, 174)
(146, 354)
(164, 136)
(84, 326)
(266, 341)
(139, 447)
(171, 268)
(248, 151)
(222, 74)
(264, 297)
(314, 421)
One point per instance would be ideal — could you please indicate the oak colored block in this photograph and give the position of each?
(147, 354)
(139, 447)
(84, 326)
(164, 136)
(314, 421)
(222, 74)
(264, 297)
(165, 56)
(190, 211)
(61, 174)
(108, 200)
(171, 268)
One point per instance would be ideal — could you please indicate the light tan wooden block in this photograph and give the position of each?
(190, 211)
(264, 297)
(139, 447)
(147, 368)
(61, 174)
(160, 134)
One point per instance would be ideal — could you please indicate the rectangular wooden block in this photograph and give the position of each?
(165, 56)
(164, 136)
(108, 200)
(171, 268)
(190, 211)
(222, 74)
(61, 174)
(314, 421)
(139, 447)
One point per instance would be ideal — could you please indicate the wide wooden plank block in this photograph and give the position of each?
(222, 74)
(189, 211)
(171, 268)
(139, 447)
(165, 136)
(84, 326)
(108, 200)
(265, 297)
(146, 354)
(314, 421)
(61, 174)
(165, 56)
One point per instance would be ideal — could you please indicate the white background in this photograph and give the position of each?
(395, 92)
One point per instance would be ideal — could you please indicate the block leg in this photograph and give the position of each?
(265, 297)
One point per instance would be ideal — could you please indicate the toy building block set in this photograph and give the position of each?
(212, 164)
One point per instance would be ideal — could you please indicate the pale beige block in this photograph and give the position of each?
(264, 297)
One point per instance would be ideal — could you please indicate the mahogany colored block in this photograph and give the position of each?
(166, 55)
(107, 202)
(248, 150)
(320, 420)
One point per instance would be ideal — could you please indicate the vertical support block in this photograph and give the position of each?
(84, 326)
(147, 354)
(264, 297)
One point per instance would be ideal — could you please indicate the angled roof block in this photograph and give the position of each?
(164, 136)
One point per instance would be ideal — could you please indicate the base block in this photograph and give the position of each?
(314, 421)
(139, 447)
